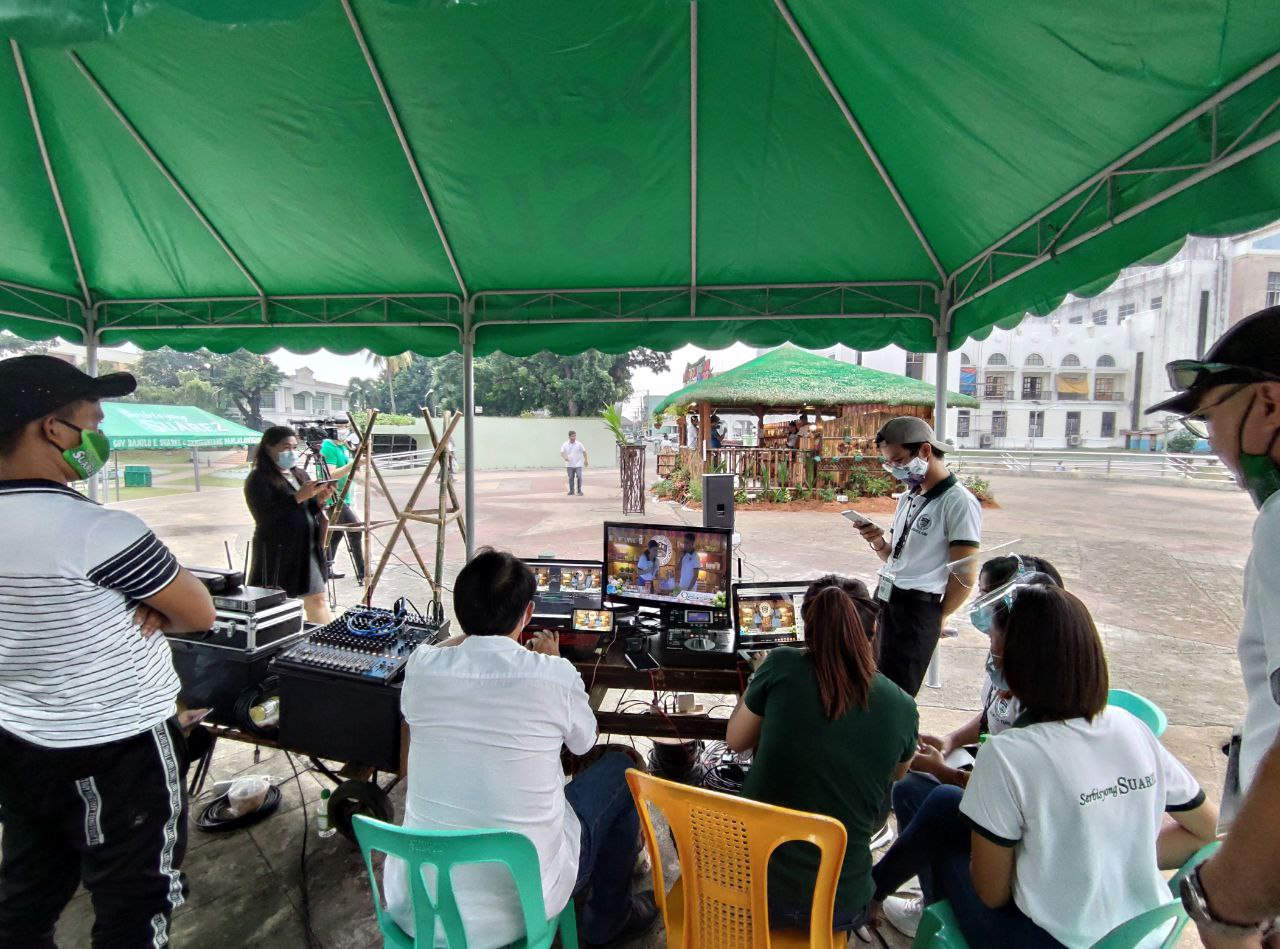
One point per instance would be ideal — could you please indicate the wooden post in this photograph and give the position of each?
(704, 426)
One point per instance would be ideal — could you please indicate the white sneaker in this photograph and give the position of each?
(883, 837)
(904, 913)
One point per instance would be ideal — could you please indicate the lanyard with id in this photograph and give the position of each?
(884, 588)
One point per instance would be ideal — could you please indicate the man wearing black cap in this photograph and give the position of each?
(89, 750)
(938, 522)
(1232, 397)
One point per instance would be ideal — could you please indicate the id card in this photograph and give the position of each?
(884, 588)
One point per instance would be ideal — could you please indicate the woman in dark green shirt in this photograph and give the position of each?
(831, 735)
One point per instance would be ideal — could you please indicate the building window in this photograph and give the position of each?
(1106, 362)
(962, 425)
(999, 424)
(320, 402)
(993, 387)
(1076, 318)
(299, 401)
(1126, 310)
(1035, 359)
(1099, 317)
(1070, 359)
(997, 359)
(1273, 289)
(915, 365)
(1035, 425)
(1108, 424)
(1073, 423)
(1033, 387)
(338, 404)
(267, 400)
(1157, 302)
(965, 360)
(1104, 389)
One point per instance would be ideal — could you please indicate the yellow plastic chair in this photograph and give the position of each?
(724, 844)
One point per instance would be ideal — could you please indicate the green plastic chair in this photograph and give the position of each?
(445, 849)
(939, 929)
(1148, 711)
(1197, 858)
(1133, 932)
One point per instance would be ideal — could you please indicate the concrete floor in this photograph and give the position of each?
(1159, 566)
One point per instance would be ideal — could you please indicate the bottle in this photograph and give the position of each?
(323, 827)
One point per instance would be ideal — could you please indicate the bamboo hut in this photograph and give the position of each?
(839, 407)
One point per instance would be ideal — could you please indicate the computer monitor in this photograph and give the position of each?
(768, 614)
(667, 564)
(561, 586)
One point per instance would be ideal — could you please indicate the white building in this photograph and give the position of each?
(1081, 376)
(302, 395)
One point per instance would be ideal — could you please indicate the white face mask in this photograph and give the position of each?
(913, 472)
(287, 459)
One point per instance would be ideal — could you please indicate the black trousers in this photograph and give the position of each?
(910, 624)
(114, 816)
(354, 541)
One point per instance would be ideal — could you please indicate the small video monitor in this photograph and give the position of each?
(768, 614)
(593, 621)
(561, 586)
(667, 564)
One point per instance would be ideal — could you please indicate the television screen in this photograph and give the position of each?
(563, 585)
(768, 613)
(667, 563)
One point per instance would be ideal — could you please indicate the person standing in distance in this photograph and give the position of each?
(90, 750)
(938, 521)
(575, 458)
(1232, 397)
(337, 457)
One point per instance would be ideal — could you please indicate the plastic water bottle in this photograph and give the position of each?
(323, 827)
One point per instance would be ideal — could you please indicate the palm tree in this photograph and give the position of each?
(390, 365)
(360, 392)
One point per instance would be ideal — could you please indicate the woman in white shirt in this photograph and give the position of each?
(1081, 799)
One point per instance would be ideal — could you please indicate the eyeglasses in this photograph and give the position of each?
(1197, 422)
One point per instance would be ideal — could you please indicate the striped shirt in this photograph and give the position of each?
(74, 669)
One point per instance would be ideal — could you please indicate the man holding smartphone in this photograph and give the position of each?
(90, 749)
(938, 522)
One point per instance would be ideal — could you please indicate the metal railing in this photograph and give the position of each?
(1101, 464)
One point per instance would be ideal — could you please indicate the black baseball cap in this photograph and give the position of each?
(1248, 352)
(31, 387)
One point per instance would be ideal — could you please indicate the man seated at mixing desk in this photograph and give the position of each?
(487, 719)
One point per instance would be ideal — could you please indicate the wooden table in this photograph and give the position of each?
(614, 672)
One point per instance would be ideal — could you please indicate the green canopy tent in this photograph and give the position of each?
(539, 174)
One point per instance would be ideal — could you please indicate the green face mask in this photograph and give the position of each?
(1260, 473)
(87, 458)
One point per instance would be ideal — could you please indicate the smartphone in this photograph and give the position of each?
(642, 661)
(323, 482)
(858, 520)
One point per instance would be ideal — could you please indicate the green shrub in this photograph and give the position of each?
(877, 486)
(1180, 442)
(780, 495)
(695, 492)
(826, 495)
(800, 494)
(980, 487)
(740, 496)
(662, 488)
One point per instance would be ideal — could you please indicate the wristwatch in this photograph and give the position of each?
(1197, 907)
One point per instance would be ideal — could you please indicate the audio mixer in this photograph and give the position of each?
(364, 643)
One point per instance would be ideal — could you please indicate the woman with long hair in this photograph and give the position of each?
(1069, 815)
(287, 508)
(830, 734)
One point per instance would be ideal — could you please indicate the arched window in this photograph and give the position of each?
(1106, 362)
(1035, 359)
(997, 359)
(965, 360)
(1070, 359)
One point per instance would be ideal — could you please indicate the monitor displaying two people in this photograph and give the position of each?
(769, 613)
(667, 564)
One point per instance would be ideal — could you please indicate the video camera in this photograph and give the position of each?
(313, 431)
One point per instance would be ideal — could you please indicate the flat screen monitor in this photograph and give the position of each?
(768, 614)
(561, 586)
(660, 564)
(593, 621)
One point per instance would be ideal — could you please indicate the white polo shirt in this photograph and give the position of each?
(1259, 646)
(1001, 710)
(486, 721)
(932, 521)
(573, 453)
(1081, 803)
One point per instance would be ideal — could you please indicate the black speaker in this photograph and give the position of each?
(717, 500)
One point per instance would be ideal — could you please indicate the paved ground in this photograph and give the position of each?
(1159, 566)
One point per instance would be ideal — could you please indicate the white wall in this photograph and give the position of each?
(511, 443)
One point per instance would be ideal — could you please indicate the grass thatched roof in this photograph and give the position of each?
(790, 377)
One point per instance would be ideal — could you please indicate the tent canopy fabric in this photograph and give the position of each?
(389, 174)
(132, 425)
(791, 378)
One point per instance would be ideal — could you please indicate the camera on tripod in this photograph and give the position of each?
(312, 433)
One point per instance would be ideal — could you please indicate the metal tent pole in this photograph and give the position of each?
(91, 367)
(943, 334)
(469, 423)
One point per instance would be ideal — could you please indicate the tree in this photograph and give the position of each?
(244, 378)
(11, 345)
(362, 393)
(164, 367)
(390, 366)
